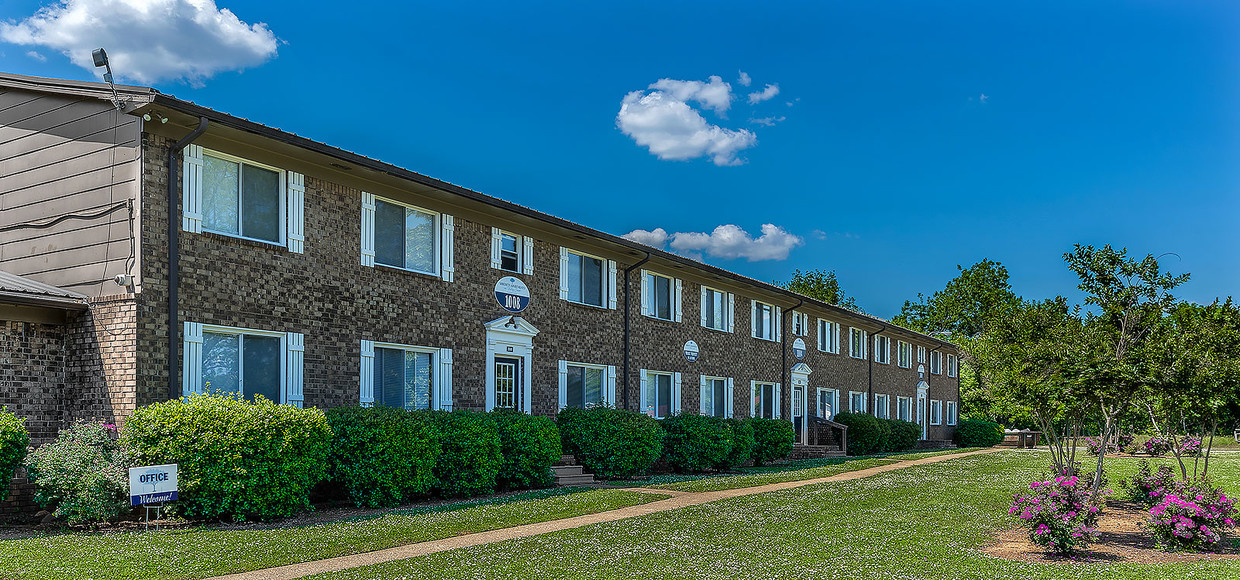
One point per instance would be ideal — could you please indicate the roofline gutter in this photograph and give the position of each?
(628, 313)
(23, 299)
(174, 259)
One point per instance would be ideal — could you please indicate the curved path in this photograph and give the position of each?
(678, 499)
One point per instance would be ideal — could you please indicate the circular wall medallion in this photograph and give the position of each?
(691, 351)
(512, 294)
(798, 348)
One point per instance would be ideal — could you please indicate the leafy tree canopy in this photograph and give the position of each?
(966, 306)
(820, 285)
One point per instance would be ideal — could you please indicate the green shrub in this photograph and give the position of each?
(694, 442)
(772, 439)
(978, 433)
(866, 434)
(470, 459)
(381, 456)
(236, 459)
(529, 446)
(14, 439)
(741, 434)
(902, 435)
(82, 476)
(611, 443)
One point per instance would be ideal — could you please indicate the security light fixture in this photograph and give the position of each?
(101, 60)
(148, 116)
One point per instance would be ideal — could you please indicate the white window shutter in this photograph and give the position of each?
(191, 189)
(449, 266)
(775, 412)
(612, 296)
(702, 305)
(527, 261)
(368, 229)
(191, 360)
(703, 394)
(675, 393)
(497, 241)
(563, 384)
(296, 198)
(754, 319)
(646, 406)
(295, 356)
(779, 323)
(645, 284)
(679, 299)
(443, 398)
(563, 273)
(366, 397)
(731, 315)
(753, 395)
(609, 390)
(729, 402)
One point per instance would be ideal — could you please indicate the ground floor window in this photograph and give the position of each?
(951, 412)
(403, 378)
(828, 403)
(856, 401)
(584, 385)
(882, 406)
(904, 408)
(716, 397)
(764, 400)
(936, 412)
(660, 392)
(247, 364)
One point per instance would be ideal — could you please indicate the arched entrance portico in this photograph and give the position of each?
(800, 401)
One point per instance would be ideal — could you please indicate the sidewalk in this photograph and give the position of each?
(677, 500)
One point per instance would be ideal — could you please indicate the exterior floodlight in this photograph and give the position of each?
(101, 60)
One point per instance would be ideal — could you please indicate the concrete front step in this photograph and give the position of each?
(565, 470)
(815, 451)
(566, 460)
(585, 479)
(568, 472)
(935, 444)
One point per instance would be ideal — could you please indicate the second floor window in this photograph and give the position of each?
(585, 279)
(765, 321)
(242, 199)
(828, 336)
(856, 342)
(882, 349)
(904, 354)
(660, 298)
(716, 309)
(800, 324)
(952, 365)
(405, 237)
(936, 363)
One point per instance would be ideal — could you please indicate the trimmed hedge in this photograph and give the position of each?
(902, 435)
(611, 443)
(866, 434)
(694, 442)
(381, 456)
(978, 433)
(470, 457)
(14, 439)
(82, 476)
(237, 459)
(529, 446)
(772, 439)
(743, 443)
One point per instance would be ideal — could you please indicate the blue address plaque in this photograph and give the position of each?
(512, 294)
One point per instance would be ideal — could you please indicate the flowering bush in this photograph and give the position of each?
(1094, 445)
(1191, 446)
(1147, 487)
(1061, 513)
(1157, 446)
(1118, 444)
(82, 476)
(1192, 517)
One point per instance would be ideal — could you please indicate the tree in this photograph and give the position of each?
(820, 285)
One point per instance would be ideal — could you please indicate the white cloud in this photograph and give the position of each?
(744, 79)
(765, 94)
(35, 55)
(147, 40)
(983, 98)
(673, 130)
(726, 241)
(768, 121)
(715, 95)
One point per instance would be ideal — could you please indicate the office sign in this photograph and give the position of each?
(798, 348)
(512, 294)
(691, 351)
(152, 484)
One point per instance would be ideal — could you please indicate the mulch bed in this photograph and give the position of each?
(1122, 540)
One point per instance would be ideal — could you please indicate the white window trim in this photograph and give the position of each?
(901, 348)
(880, 406)
(864, 402)
(831, 346)
(776, 320)
(865, 338)
(441, 377)
(882, 354)
(921, 355)
(753, 394)
(675, 296)
(951, 411)
(609, 381)
(800, 320)
(653, 411)
(729, 305)
(936, 404)
(953, 365)
(291, 204)
(292, 361)
(442, 252)
(608, 279)
(728, 400)
(936, 363)
(525, 251)
(900, 404)
(835, 409)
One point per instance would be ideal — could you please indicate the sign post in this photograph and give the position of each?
(152, 485)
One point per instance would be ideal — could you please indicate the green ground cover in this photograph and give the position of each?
(209, 551)
(924, 521)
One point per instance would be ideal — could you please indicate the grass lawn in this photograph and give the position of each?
(207, 551)
(919, 522)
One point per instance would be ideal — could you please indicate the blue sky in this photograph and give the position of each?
(1103, 122)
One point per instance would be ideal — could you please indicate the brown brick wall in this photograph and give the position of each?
(32, 374)
(102, 363)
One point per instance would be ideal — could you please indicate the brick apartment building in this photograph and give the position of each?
(316, 276)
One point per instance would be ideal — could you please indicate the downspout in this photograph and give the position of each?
(174, 359)
(783, 340)
(628, 312)
(869, 398)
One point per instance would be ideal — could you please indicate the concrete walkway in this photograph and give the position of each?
(677, 500)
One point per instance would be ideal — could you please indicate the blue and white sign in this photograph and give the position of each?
(152, 484)
(691, 351)
(512, 294)
(798, 348)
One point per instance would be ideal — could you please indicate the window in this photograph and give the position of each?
(660, 393)
(952, 365)
(828, 403)
(660, 296)
(951, 412)
(717, 309)
(936, 412)
(586, 385)
(936, 363)
(882, 406)
(512, 252)
(764, 400)
(921, 355)
(800, 324)
(402, 236)
(828, 336)
(904, 408)
(904, 354)
(716, 397)
(240, 198)
(250, 363)
(587, 279)
(856, 402)
(856, 342)
(765, 321)
(406, 377)
(882, 349)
